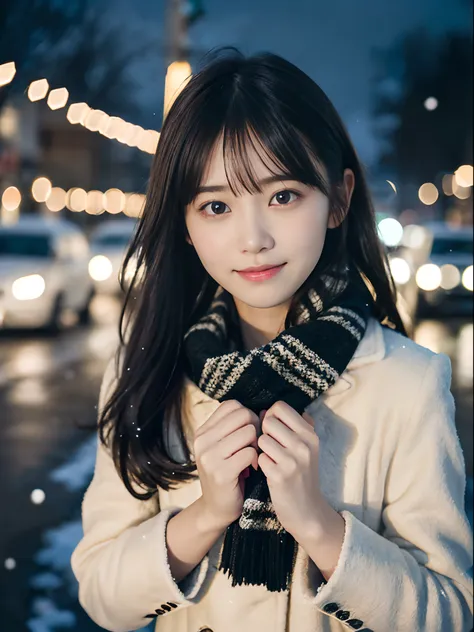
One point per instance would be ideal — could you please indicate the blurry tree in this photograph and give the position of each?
(69, 43)
(420, 144)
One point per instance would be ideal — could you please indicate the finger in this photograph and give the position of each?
(236, 419)
(269, 468)
(242, 459)
(241, 438)
(222, 411)
(308, 419)
(272, 448)
(288, 415)
(273, 427)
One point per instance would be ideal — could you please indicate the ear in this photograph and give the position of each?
(348, 185)
(188, 239)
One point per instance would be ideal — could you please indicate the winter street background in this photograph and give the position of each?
(84, 85)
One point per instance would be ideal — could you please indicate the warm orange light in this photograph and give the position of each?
(38, 89)
(11, 199)
(95, 202)
(114, 201)
(7, 72)
(77, 113)
(94, 120)
(428, 193)
(41, 189)
(177, 76)
(58, 98)
(57, 200)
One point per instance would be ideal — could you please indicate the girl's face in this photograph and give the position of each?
(284, 224)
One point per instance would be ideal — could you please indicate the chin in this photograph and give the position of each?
(261, 299)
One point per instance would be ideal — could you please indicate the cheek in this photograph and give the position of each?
(210, 245)
(308, 234)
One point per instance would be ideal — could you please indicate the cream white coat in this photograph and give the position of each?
(390, 462)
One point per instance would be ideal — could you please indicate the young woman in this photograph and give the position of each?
(276, 455)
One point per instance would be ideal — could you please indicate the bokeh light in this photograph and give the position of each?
(400, 270)
(390, 231)
(38, 89)
(464, 176)
(57, 98)
(450, 276)
(447, 184)
(431, 103)
(41, 189)
(77, 113)
(428, 277)
(428, 193)
(56, 200)
(114, 201)
(11, 198)
(7, 72)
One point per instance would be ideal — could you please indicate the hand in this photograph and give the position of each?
(224, 447)
(289, 460)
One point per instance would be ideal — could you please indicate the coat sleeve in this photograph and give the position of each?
(416, 576)
(121, 563)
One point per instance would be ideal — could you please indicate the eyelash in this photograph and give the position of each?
(296, 193)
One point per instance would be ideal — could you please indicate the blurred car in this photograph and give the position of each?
(108, 245)
(43, 273)
(433, 269)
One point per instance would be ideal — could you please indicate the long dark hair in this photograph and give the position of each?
(266, 101)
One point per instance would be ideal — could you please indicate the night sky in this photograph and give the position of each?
(331, 41)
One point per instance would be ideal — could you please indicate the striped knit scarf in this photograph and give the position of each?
(298, 366)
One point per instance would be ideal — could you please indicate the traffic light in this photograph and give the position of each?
(193, 10)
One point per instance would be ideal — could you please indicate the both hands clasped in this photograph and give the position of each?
(285, 446)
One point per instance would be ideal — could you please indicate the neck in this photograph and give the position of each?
(260, 326)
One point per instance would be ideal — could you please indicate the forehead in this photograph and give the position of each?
(239, 166)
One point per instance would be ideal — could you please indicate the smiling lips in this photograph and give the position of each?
(260, 273)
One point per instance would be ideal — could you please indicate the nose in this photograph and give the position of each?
(254, 234)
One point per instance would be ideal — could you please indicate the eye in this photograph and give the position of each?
(217, 208)
(285, 197)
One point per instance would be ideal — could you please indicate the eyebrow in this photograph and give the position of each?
(215, 188)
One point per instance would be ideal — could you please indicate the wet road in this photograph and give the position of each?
(48, 397)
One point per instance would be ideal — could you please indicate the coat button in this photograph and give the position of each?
(343, 615)
(165, 607)
(331, 608)
(204, 630)
(159, 611)
(173, 605)
(355, 623)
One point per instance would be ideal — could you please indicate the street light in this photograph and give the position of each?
(177, 76)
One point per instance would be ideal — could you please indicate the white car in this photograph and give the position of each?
(108, 245)
(433, 269)
(43, 273)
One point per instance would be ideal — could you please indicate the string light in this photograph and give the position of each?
(76, 199)
(112, 127)
(11, 199)
(38, 89)
(41, 189)
(7, 72)
(58, 98)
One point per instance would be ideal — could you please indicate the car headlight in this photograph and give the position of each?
(428, 277)
(467, 278)
(100, 268)
(400, 270)
(28, 287)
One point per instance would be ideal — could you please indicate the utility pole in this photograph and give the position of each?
(180, 14)
(177, 29)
